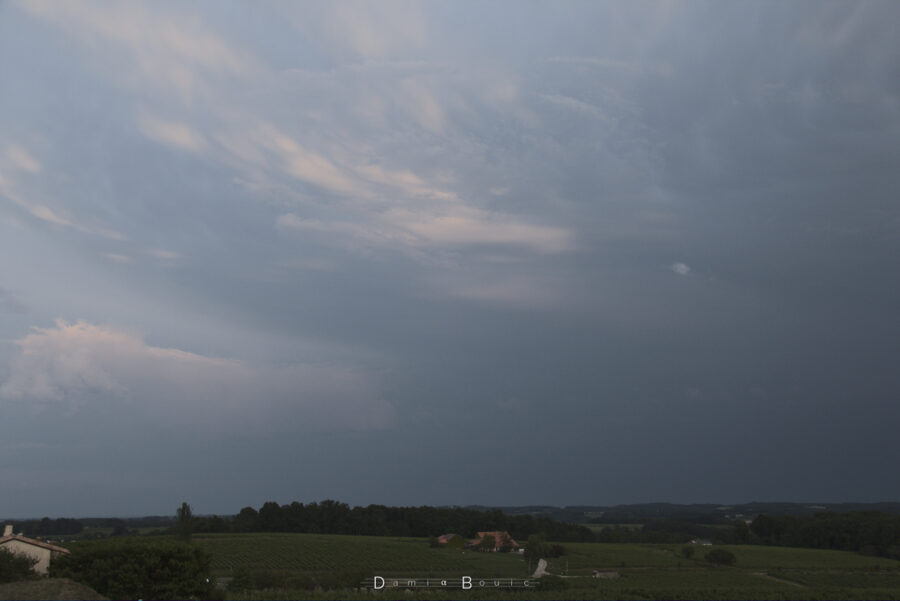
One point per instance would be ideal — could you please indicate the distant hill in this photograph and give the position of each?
(701, 513)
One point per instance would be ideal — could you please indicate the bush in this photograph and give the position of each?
(721, 557)
(241, 580)
(687, 551)
(556, 551)
(138, 569)
(15, 566)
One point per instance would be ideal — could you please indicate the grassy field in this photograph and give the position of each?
(643, 571)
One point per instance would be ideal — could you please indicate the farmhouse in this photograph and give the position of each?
(501, 539)
(22, 545)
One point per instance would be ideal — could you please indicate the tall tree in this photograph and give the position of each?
(185, 521)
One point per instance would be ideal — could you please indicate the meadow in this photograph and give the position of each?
(295, 561)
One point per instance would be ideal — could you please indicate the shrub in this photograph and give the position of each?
(241, 580)
(138, 569)
(15, 566)
(721, 557)
(687, 551)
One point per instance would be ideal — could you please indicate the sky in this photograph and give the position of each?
(447, 253)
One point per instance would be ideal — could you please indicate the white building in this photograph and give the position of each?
(22, 545)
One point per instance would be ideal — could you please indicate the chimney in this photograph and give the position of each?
(7, 530)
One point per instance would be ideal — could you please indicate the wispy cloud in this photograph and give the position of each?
(81, 364)
(464, 226)
(17, 158)
(171, 133)
(17, 165)
(160, 253)
(362, 30)
(574, 104)
(119, 258)
(166, 50)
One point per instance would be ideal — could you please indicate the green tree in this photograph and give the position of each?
(185, 522)
(687, 551)
(245, 521)
(487, 543)
(137, 568)
(536, 548)
(741, 533)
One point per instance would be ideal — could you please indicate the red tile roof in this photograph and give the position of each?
(31, 541)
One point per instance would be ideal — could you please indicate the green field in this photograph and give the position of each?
(643, 571)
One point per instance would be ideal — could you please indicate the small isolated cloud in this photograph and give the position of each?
(681, 268)
(83, 365)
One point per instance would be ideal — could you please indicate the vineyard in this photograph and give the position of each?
(315, 553)
(643, 571)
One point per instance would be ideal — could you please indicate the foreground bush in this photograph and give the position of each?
(138, 569)
(15, 567)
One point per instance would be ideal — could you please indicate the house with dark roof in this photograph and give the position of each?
(37, 549)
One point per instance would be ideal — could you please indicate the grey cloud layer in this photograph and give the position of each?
(619, 225)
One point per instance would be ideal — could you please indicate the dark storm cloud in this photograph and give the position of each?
(655, 239)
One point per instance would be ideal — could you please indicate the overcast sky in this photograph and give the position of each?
(447, 253)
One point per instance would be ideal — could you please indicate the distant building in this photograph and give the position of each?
(22, 545)
(701, 541)
(501, 539)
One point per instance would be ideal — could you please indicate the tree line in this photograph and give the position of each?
(867, 532)
(333, 517)
(48, 527)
